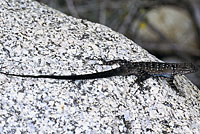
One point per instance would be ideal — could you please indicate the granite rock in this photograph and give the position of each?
(35, 39)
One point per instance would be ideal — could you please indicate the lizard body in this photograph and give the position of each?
(154, 69)
(143, 71)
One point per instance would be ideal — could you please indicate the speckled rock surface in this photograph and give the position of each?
(35, 39)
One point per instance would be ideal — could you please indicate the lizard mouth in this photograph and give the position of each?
(191, 69)
(195, 68)
(186, 68)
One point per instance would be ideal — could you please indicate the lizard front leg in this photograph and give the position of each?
(170, 80)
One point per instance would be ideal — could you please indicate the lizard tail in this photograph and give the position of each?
(105, 74)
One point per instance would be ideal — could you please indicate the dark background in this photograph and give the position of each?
(168, 29)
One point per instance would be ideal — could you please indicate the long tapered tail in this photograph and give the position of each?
(104, 74)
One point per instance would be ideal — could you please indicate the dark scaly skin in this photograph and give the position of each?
(153, 69)
(143, 71)
(105, 74)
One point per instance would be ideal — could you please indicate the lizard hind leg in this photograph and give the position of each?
(112, 62)
(140, 79)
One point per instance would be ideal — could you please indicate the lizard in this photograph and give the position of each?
(142, 70)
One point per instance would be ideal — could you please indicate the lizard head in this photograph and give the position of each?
(185, 68)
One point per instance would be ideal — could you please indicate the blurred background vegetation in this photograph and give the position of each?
(168, 29)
